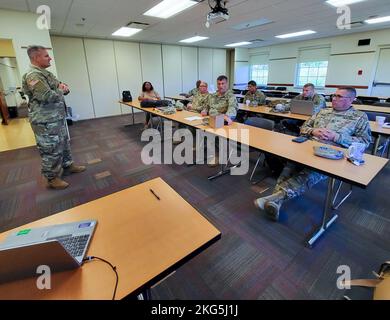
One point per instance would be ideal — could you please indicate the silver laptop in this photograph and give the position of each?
(302, 107)
(60, 247)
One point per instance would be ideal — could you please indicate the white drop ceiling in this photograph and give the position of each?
(103, 17)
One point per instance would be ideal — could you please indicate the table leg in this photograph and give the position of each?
(376, 144)
(327, 209)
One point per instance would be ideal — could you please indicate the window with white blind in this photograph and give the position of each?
(259, 73)
(312, 66)
(258, 70)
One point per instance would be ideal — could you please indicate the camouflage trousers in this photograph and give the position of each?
(54, 148)
(295, 181)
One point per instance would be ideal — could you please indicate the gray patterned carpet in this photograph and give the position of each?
(255, 259)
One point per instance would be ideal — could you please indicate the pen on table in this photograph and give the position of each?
(154, 194)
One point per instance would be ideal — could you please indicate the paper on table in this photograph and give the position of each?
(193, 118)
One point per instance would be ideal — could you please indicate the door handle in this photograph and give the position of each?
(380, 84)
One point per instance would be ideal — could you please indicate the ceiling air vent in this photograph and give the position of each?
(137, 25)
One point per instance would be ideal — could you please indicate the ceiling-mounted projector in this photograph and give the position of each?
(218, 14)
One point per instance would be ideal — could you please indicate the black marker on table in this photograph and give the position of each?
(158, 198)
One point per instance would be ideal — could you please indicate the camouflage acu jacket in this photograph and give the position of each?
(351, 126)
(226, 104)
(46, 101)
(257, 98)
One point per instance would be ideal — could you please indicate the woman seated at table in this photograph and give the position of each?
(148, 93)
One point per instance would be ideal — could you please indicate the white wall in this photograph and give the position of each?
(103, 77)
(128, 69)
(189, 66)
(20, 27)
(97, 71)
(241, 67)
(172, 70)
(345, 59)
(74, 73)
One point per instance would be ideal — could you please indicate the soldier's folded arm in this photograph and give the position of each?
(307, 127)
(362, 134)
(41, 90)
(232, 106)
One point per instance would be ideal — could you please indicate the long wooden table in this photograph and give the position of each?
(280, 144)
(267, 111)
(144, 237)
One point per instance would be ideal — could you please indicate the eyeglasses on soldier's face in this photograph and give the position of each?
(339, 96)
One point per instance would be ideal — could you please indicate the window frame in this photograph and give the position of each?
(298, 76)
(261, 70)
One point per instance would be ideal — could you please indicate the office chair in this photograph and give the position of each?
(244, 92)
(264, 124)
(281, 88)
(368, 100)
(237, 91)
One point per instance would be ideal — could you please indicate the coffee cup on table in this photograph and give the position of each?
(380, 120)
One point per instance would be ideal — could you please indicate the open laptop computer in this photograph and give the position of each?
(60, 247)
(302, 107)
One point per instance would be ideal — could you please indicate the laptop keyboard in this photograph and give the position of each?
(75, 245)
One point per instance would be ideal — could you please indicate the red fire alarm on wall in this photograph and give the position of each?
(360, 72)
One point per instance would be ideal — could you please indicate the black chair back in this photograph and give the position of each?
(368, 100)
(260, 123)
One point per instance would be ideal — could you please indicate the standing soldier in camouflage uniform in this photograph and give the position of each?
(308, 94)
(340, 126)
(47, 116)
(221, 102)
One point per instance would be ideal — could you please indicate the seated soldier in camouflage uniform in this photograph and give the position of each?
(194, 91)
(340, 126)
(47, 117)
(200, 101)
(308, 94)
(222, 102)
(255, 98)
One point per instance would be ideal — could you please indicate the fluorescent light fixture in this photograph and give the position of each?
(194, 39)
(342, 3)
(168, 8)
(238, 44)
(295, 34)
(378, 20)
(126, 32)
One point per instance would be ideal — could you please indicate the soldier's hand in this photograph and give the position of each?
(204, 113)
(329, 135)
(228, 120)
(319, 133)
(63, 87)
(189, 106)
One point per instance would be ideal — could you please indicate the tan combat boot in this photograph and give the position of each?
(73, 169)
(57, 184)
(271, 204)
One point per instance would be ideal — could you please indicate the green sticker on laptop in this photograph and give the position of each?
(23, 232)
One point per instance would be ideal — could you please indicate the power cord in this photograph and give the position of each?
(90, 258)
